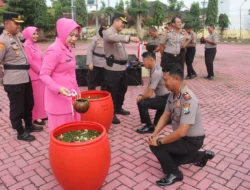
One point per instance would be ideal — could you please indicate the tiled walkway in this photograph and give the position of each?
(225, 105)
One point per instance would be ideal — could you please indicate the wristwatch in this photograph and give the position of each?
(159, 141)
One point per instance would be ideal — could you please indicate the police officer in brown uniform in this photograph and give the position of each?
(96, 60)
(145, 101)
(190, 52)
(155, 38)
(182, 145)
(171, 43)
(16, 79)
(116, 59)
(168, 27)
(210, 51)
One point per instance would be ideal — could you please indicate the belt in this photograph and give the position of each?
(120, 62)
(16, 67)
(198, 138)
(98, 55)
(175, 55)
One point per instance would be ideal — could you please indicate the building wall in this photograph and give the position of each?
(232, 9)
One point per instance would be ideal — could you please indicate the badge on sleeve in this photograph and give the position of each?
(1, 46)
(186, 108)
(186, 96)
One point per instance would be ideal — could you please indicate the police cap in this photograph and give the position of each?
(122, 17)
(12, 16)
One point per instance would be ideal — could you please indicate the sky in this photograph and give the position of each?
(112, 2)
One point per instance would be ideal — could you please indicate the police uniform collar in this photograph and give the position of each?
(5, 32)
(184, 89)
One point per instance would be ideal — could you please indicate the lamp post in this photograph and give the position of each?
(204, 4)
(72, 10)
(96, 21)
(240, 16)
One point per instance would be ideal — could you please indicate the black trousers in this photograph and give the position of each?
(117, 85)
(209, 60)
(21, 104)
(92, 78)
(167, 60)
(182, 57)
(190, 53)
(158, 103)
(182, 151)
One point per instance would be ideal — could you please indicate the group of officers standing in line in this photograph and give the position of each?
(174, 101)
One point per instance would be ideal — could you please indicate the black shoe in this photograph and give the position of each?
(39, 122)
(146, 129)
(209, 155)
(194, 75)
(25, 136)
(210, 78)
(33, 128)
(170, 179)
(115, 120)
(206, 77)
(122, 112)
(188, 77)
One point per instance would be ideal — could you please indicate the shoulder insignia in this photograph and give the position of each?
(186, 108)
(1, 46)
(186, 96)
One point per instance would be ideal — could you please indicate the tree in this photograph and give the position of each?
(81, 12)
(138, 9)
(159, 14)
(25, 8)
(174, 8)
(40, 18)
(61, 6)
(223, 23)
(212, 12)
(2, 10)
(193, 19)
(120, 6)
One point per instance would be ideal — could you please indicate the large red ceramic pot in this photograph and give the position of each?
(100, 110)
(82, 165)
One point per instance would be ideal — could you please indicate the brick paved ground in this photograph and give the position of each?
(225, 106)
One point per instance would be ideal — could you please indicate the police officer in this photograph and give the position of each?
(96, 60)
(210, 51)
(190, 52)
(116, 59)
(182, 145)
(171, 43)
(145, 101)
(16, 79)
(155, 37)
(168, 27)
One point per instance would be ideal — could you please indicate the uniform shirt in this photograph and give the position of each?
(172, 42)
(156, 81)
(12, 53)
(195, 38)
(113, 45)
(185, 109)
(213, 37)
(156, 40)
(96, 46)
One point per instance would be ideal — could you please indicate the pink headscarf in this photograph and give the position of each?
(28, 32)
(64, 27)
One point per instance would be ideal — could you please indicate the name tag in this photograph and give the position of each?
(68, 60)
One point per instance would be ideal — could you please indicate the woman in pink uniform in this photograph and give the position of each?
(58, 74)
(35, 58)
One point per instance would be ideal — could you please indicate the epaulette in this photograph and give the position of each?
(186, 96)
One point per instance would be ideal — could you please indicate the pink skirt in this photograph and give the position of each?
(38, 111)
(55, 121)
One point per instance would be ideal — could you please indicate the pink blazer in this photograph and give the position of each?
(33, 53)
(58, 70)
